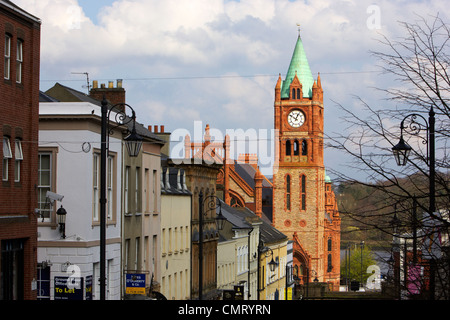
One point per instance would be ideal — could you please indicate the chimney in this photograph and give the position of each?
(114, 95)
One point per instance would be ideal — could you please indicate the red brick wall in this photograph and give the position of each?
(19, 115)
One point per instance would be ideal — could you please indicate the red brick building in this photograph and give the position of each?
(19, 114)
(304, 207)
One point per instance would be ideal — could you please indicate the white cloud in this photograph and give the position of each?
(144, 39)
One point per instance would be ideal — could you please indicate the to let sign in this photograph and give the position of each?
(135, 283)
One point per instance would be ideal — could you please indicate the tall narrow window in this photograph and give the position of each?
(95, 187)
(44, 184)
(298, 93)
(303, 191)
(137, 190)
(19, 61)
(288, 147)
(126, 185)
(155, 191)
(18, 155)
(304, 148)
(296, 148)
(110, 187)
(7, 67)
(288, 192)
(7, 154)
(293, 93)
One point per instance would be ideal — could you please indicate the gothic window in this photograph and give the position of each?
(298, 93)
(288, 147)
(288, 192)
(296, 148)
(303, 192)
(329, 244)
(304, 148)
(330, 264)
(293, 93)
(235, 202)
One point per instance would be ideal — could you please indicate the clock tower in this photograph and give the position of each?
(299, 172)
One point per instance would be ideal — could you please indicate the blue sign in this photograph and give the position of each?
(135, 283)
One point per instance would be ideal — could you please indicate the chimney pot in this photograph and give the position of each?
(119, 83)
(95, 84)
(110, 84)
(162, 129)
(156, 129)
(150, 128)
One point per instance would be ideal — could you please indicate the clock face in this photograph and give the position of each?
(296, 118)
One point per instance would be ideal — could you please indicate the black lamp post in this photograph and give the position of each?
(61, 214)
(272, 264)
(212, 202)
(133, 143)
(401, 152)
(402, 149)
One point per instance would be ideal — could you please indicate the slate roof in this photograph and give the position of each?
(238, 215)
(172, 185)
(61, 93)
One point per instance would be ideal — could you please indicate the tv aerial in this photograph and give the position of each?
(88, 86)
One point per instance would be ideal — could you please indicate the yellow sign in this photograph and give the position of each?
(134, 290)
(289, 294)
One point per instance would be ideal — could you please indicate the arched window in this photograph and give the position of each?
(296, 148)
(288, 192)
(288, 147)
(303, 192)
(330, 263)
(298, 93)
(293, 93)
(304, 148)
(329, 244)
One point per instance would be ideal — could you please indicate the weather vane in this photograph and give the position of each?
(298, 26)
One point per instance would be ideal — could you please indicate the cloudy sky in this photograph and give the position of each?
(217, 61)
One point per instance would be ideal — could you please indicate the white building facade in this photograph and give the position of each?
(69, 165)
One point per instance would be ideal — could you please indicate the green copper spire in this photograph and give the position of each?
(299, 64)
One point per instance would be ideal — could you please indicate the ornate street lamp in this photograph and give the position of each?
(272, 264)
(133, 143)
(402, 149)
(213, 202)
(401, 152)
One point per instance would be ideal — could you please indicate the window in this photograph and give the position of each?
(126, 185)
(288, 192)
(95, 187)
(298, 93)
(19, 61)
(18, 154)
(110, 187)
(304, 148)
(296, 148)
(7, 67)
(96, 184)
(288, 147)
(303, 191)
(44, 184)
(137, 190)
(7, 154)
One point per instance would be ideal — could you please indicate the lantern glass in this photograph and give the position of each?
(134, 143)
(61, 214)
(272, 265)
(401, 152)
(220, 220)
